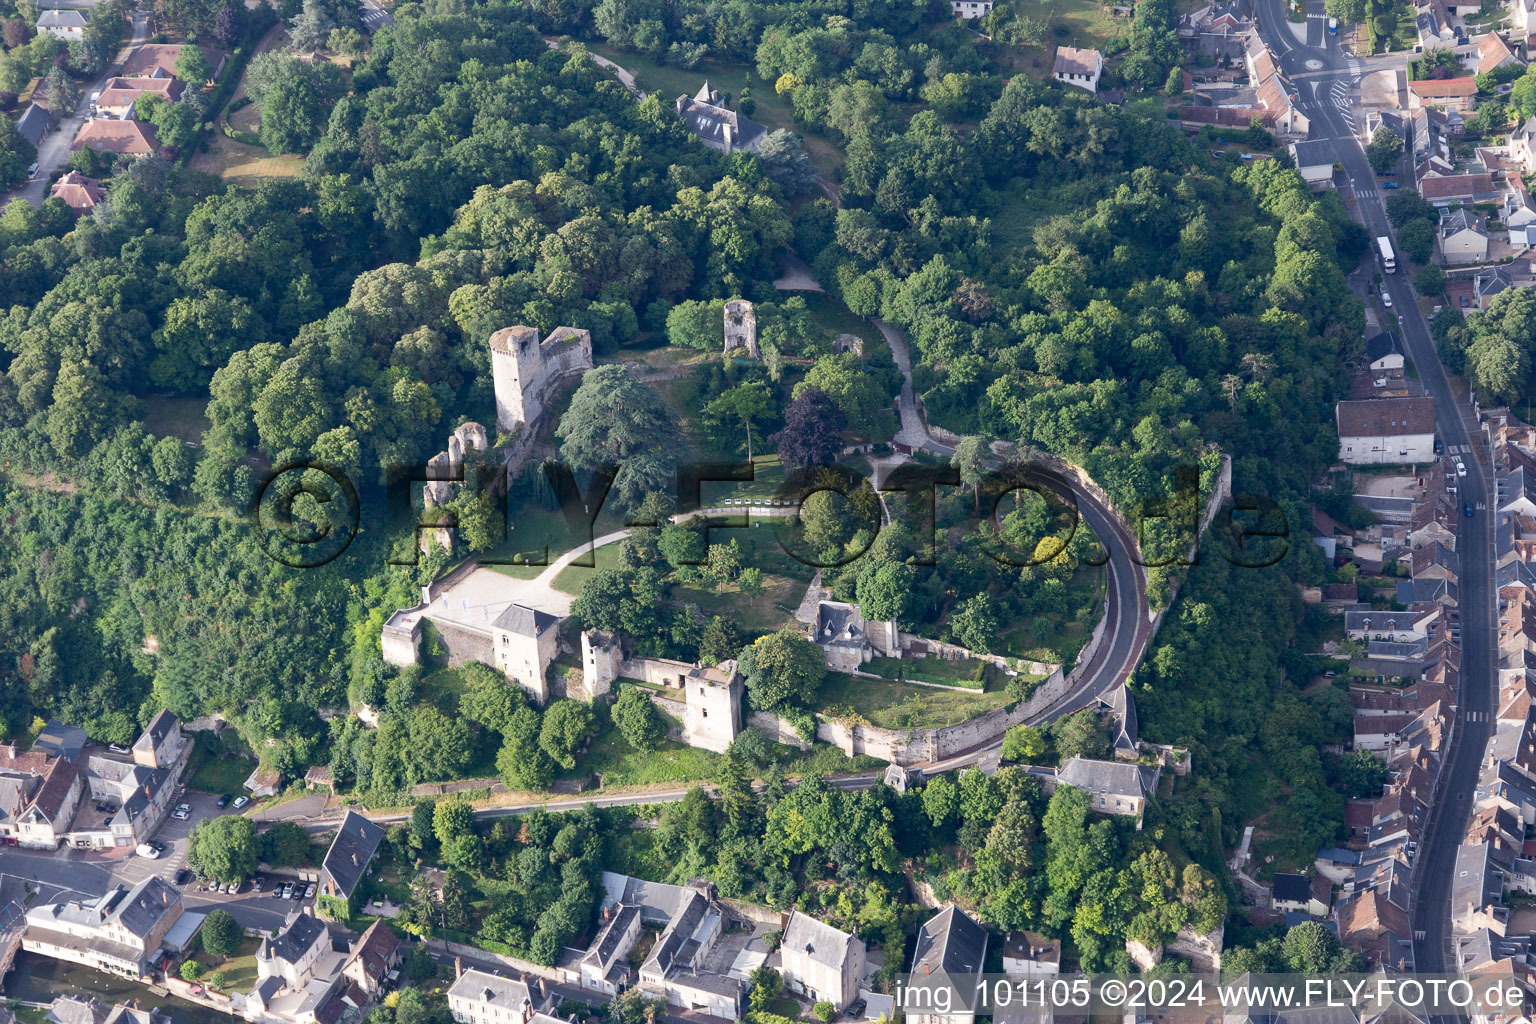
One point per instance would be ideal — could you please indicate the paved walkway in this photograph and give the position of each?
(625, 78)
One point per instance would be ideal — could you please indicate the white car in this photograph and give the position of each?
(240, 801)
(1386, 299)
(145, 850)
(1461, 469)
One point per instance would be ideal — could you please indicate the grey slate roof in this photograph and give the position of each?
(1384, 344)
(1118, 777)
(606, 946)
(1313, 152)
(301, 933)
(525, 621)
(61, 740)
(347, 859)
(33, 123)
(950, 942)
(74, 1010)
(816, 939)
(1289, 888)
(494, 989)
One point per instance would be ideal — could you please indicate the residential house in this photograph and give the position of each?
(1518, 211)
(603, 968)
(951, 945)
(346, 860)
(1026, 954)
(1522, 17)
(118, 95)
(1462, 237)
(120, 932)
(1079, 67)
(1314, 160)
(1446, 93)
(1383, 354)
(374, 959)
(1295, 894)
(1459, 189)
(143, 797)
(1494, 52)
(44, 820)
(33, 123)
(158, 60)
(821, 962)
(524, 641)
(1433, 24)
(125, 138)
(674, 968)
(1491, 282)
(1386, 431)
(1522, 144)
(717, 126)
(162, 744)
(479, 997)
(65, 24)
(300, 977)
(1117, 787)
(970, 9)
(1217, 29)
(79, 192)
(847, 640)
(1274, 92)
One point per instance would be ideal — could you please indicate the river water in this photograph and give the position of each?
(38, 979)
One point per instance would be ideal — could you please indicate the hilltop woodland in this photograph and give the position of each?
(1148, 305)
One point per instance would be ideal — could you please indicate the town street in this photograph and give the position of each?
(1322, 73)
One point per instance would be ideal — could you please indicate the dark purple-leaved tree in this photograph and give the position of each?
(813, 431)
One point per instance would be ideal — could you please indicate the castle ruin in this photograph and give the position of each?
(526, 370)
(741, 328)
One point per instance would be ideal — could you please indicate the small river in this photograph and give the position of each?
(38, 979)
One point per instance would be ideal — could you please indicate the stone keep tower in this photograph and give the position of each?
(524, 369)
(713, 698)
(600, 657)
(741, 327)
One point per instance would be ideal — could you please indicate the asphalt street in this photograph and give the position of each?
(1318, 67)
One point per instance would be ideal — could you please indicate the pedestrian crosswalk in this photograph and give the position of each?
(1459, 449)
(1366, 193)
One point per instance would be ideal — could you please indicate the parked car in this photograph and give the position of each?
(283, 890)
(1466, 509)
(184, 876)
(147, 850)
(309, 893)
(223, 801)
(236, 887)
(258, 885)
(1386, 297)
(32, 172)
(241, 801)
(1389, 184)
(298, 892)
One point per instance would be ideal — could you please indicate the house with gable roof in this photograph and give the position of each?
(821, 962)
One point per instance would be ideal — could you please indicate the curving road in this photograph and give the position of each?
(1322, 72)
(1127, 614)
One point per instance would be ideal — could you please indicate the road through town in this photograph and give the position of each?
(1318, 68)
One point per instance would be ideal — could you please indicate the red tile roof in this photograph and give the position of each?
(1444, 88)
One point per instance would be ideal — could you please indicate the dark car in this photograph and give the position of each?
(184, 876)
(1389, 184)
(1466, 508)
(1439, 446)
(224, 801)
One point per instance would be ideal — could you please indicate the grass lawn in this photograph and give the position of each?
(242, 164)
(893, 705)
(772, 110)
(785, 1007)
(175, 416)
(620, 764)
(239, 970)
(759, 548)
(961, 672)
(221, 775)
(763, 613)
(537, 533)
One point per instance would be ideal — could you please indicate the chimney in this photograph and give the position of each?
(458, 968)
